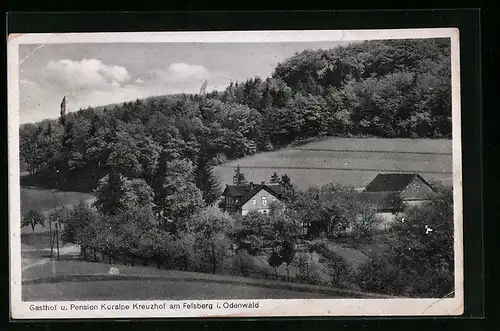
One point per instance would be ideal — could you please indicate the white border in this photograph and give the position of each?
(302, 307)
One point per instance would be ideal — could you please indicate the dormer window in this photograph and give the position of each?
(264, 201)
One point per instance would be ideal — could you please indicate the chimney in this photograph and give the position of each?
(263, 183)
(251, 185)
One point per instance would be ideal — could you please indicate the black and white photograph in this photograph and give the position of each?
(256, 173)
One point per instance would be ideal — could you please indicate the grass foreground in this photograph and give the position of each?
(78, 280)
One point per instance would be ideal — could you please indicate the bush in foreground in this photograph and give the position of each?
(419, 261)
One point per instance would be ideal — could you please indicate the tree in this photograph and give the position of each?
(125, 155)
(211, 145)
(209, 227)
(177, 197)
(238, 177)
(149, 155)
(287, 253)
(109, 193)
(153, 245)
(283, 125)
(128, 225)
(253, 231)
(185, 255)
(284, 231)
(419, 260)
(117, 193)
(275, 179)
(28, 147)
(285, 225)
(75, 220)
(289, 192)
(340, 208)
(79, 226)
(275, 260)
(362, 222)
(312, 112)
(136, 193)
(207, 182)
(32, 219)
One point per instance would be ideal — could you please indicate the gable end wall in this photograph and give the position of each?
(258, 206)
(416, 190)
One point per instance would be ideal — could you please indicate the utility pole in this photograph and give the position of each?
(51, 243)
(57, 238)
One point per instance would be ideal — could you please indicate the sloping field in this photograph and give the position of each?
(77, 280)
(345, 161)
(45, 200)
(153, 289)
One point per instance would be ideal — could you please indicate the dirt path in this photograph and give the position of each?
(31, 264)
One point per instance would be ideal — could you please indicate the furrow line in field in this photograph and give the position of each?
(338, 168)
(370, 151)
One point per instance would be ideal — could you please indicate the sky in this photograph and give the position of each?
(100, 74)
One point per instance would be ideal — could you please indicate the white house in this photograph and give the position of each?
(242, 199)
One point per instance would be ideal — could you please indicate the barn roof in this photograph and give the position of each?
(391, 182)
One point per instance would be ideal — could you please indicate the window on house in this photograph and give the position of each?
(264, 201)
(254, 202)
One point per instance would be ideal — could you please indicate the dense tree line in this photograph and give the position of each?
(395, 88)
(417, 261)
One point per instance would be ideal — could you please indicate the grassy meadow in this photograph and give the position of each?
(44, 201)
(354, 162)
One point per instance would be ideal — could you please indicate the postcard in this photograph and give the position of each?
(235, 174)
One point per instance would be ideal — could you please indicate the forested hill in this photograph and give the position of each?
(394, 88)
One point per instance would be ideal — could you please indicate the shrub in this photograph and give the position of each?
(243, 263)
(381, 275)
(340, 272)
(185, 256)
(419, 260)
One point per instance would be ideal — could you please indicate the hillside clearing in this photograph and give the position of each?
(353, 162)
(44, 201)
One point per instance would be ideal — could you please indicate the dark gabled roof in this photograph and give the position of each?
(275, 189)
(236, 190)
(391, 182)
(246, 192)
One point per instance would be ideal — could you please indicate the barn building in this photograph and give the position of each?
(389, 193)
